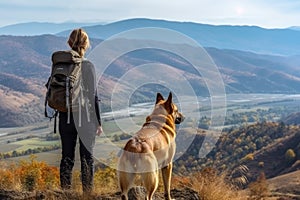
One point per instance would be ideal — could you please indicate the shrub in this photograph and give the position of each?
(7, 177)
(248, 157)
(106, 180)
(213, 186)
(290, 155)
(29, 175)
(261, 164)
(37, 175)
(259, 189)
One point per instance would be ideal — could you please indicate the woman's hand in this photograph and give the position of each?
(99, 130)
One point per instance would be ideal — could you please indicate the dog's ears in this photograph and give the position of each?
(159, 97)
(170, 97)
(168, 103)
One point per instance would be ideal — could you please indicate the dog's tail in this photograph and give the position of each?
(137, 157)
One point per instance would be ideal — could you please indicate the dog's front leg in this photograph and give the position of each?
(166, 175)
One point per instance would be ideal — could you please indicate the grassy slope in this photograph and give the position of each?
(287, 185)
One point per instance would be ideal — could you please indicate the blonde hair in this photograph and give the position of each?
(79, 41)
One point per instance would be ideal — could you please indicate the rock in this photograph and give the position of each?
(184, 194)
(137, 193)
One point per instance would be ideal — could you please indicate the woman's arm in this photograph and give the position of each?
(90, 84)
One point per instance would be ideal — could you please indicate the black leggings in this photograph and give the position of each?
(69, 133)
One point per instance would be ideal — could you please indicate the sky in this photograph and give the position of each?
(264, 13)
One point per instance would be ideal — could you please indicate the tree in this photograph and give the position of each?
(290, 155)
(248, 157)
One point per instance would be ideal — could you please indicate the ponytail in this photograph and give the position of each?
(79, 41)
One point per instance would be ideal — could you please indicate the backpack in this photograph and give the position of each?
(64, 86)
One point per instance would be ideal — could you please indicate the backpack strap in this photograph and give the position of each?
(87, 110)
(79, 104)
(55, 116)
(67, 99)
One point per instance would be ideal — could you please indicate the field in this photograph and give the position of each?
(129, 121)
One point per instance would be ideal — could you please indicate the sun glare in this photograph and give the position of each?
(239, 10)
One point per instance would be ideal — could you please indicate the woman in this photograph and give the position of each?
(91, 123)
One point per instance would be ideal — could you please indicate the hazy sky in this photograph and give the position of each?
(265, 13)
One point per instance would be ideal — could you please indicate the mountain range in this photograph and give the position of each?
(39, 28)
(236, 50)
(245, 38)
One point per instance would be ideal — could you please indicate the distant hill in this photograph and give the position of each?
(245, 38)
(293, 119)
(297, 28)
(39, 28)
(25, 66)
(262, 147)
(274, 159)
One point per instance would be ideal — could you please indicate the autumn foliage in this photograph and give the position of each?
(33, 175)
(29, 175)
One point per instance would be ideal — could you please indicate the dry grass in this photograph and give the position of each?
(215, 188)
(210, 186)
(31, 175)
(38, 177)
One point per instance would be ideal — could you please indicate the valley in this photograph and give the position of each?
(40, 139)
(275, 107)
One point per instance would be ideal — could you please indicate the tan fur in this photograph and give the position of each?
(153, 147)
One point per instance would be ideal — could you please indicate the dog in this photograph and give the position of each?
(150, 149)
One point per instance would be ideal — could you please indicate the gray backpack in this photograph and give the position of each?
(64, 86)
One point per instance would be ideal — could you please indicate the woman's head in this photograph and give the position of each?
(79, 41)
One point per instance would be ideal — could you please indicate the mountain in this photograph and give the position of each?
(39, 28)
(293, 119)
(245, 38)
(274, 158)
(25, 67)
(272, 148)
(251, 72)
(297, 28)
